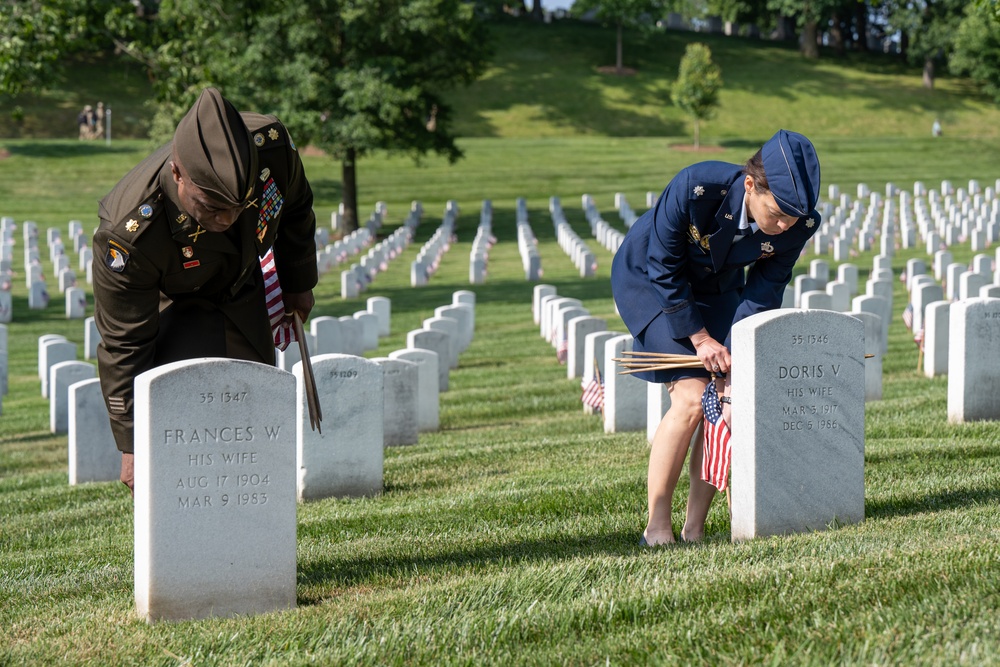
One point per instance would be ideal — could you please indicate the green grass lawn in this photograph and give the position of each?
(510, 535)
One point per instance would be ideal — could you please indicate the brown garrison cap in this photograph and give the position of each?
(214, 145)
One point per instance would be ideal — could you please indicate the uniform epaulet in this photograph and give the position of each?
(132, 225)
(272, 136)
(714, 191)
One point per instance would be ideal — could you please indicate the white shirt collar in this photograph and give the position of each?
(745, 223)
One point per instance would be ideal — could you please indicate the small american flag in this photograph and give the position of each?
(918, 338)
(717, 452)
(562, 351)
(908, 316)
(593, 394)
(280, 327)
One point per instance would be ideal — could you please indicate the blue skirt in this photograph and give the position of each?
(717, 311)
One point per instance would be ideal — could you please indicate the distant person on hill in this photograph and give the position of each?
(98, 127)
(181, 237)
(680, 283)
(84, 121)
(936, 128)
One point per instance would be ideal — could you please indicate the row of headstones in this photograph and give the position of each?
(38, 294)
(798, 414)
(564, 323)
(359, 276)
(410, 381)
(570, 242)
(429, 256)
(609, 237)
(527, 244)
(942, 218)
(479, 255)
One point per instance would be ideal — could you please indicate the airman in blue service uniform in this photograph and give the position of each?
(680, 282)
(177, 272)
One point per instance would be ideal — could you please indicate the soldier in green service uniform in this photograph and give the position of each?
(177, 271)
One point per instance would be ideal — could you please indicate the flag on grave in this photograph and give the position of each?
(717, 452)
(908, 316)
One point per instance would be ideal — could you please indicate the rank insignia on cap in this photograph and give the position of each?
(273, 133)
(264, 173)
(146, 211)
(258, 139)
(187, 251)
(810, 223)
(766, 247)
(132, 225)
(699, 191)
(116, 257)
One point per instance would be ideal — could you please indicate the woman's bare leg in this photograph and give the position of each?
(666, 458)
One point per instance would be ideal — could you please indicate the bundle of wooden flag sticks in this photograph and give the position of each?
(635, 362)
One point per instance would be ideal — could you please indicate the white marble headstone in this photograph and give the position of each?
(624, 395)
(215, 524)
(399, 387)
(52, 349)
(3, 360)
(382, 308)
(61, 376)
(973, 361)
(538, 292)
(346, 458)
(438, 343)
(428, 394)
(93, 455)
(798, 435)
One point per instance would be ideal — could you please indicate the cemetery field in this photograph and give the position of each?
(510, 535)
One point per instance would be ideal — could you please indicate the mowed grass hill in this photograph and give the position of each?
(509, 537)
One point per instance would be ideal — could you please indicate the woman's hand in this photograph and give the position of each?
(711, 352)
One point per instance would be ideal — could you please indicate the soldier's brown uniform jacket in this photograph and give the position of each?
(148, 255)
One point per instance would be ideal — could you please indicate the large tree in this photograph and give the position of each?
(350, 76)
(928, 29)
(977, 48)
(622, 14)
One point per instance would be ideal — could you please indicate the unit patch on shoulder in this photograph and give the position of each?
(116, 257)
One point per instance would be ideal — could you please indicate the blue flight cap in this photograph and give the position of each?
(792, 171)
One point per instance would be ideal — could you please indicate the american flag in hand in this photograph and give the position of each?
(280, 327)
(717, 453)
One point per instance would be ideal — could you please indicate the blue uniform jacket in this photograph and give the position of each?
(682, 251)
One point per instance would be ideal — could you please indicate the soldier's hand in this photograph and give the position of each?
(300, 302)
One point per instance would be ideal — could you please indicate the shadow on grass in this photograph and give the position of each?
(356, 571)
(933, 502)
(65, 149)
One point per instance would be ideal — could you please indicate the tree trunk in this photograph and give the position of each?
(861, 25)
(837, 35)
(350, 194)
(697, 134)
(618, 51)
(810, 47)
(536, 10)
(929, 73)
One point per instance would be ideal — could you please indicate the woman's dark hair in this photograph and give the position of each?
(755, 167)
